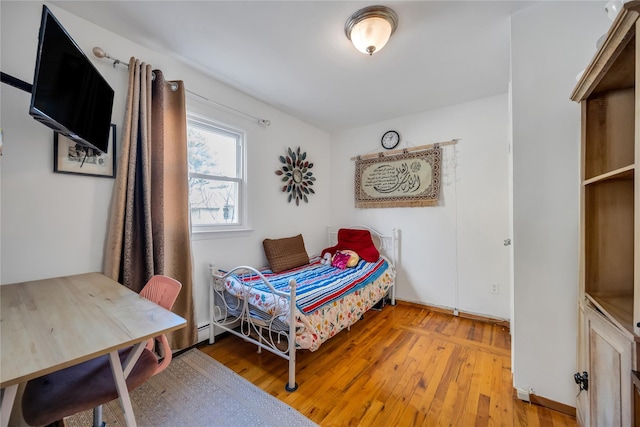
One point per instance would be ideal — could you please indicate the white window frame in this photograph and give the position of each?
(219, 230)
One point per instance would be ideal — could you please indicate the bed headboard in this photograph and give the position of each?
(387, 244)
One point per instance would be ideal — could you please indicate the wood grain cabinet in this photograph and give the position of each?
(635, 378)
(610, 385)
(609, 292)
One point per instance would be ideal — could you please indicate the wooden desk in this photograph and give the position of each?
(47, 325)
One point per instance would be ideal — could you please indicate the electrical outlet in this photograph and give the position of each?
(495, 288)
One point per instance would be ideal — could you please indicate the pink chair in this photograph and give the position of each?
(90, 384)
(163, 291)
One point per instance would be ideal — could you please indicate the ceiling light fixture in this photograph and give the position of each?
(369, 28)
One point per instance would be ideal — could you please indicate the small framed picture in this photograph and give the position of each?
(71, 157)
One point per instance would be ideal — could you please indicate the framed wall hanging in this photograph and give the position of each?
(406, 179)
(71, 157)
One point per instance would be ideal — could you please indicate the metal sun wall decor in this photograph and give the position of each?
(297, 176)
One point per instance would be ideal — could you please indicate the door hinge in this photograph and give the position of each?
(582, 380)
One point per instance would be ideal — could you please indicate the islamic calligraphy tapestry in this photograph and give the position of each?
(410, 179)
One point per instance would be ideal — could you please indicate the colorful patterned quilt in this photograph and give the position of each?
(317, 284)
(328, 299)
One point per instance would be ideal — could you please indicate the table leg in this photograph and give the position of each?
(121, 385)
(8, 397)
(133, 357)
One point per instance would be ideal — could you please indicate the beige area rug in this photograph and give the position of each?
(196, 390)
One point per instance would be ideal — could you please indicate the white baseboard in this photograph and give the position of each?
(203, 332)
(523, 395)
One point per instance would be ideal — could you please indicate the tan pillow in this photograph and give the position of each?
(286, 253)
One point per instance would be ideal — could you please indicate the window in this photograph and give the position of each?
(216, 175)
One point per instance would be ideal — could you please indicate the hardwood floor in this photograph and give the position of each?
(402, 366)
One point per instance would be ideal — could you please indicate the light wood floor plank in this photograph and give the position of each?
(402, 366)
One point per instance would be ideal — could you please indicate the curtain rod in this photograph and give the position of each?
(100, 53)
(405, 150)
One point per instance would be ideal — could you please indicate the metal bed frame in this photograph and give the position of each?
(269, 331)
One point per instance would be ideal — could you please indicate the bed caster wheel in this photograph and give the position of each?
(294, 388)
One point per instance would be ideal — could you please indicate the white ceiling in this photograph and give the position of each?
(294, 55)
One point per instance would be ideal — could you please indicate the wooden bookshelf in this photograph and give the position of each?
(609, 288)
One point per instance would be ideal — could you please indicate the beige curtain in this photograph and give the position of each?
(149, 229)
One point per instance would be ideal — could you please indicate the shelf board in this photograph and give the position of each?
(624, 173)
(616, 48)
(618, 308)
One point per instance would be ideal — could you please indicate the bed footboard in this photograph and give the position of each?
(274, 331)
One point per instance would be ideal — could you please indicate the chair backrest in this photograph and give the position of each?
(163, 291)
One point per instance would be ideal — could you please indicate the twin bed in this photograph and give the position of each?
(329, 296)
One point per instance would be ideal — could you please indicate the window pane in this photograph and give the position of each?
(212, 152)
(213, 202)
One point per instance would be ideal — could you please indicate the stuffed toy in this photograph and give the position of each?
(354, 258)
(340, 260)
(326, 259)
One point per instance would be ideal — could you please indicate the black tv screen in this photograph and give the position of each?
(69, 95)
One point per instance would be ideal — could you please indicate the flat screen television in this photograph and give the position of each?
(69, 95)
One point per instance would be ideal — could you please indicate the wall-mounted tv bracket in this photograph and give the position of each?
(15, 82)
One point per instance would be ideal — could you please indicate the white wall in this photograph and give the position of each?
(55, 224)
(451, 253)
(551, 43)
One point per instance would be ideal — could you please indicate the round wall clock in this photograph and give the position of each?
(390, 139)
